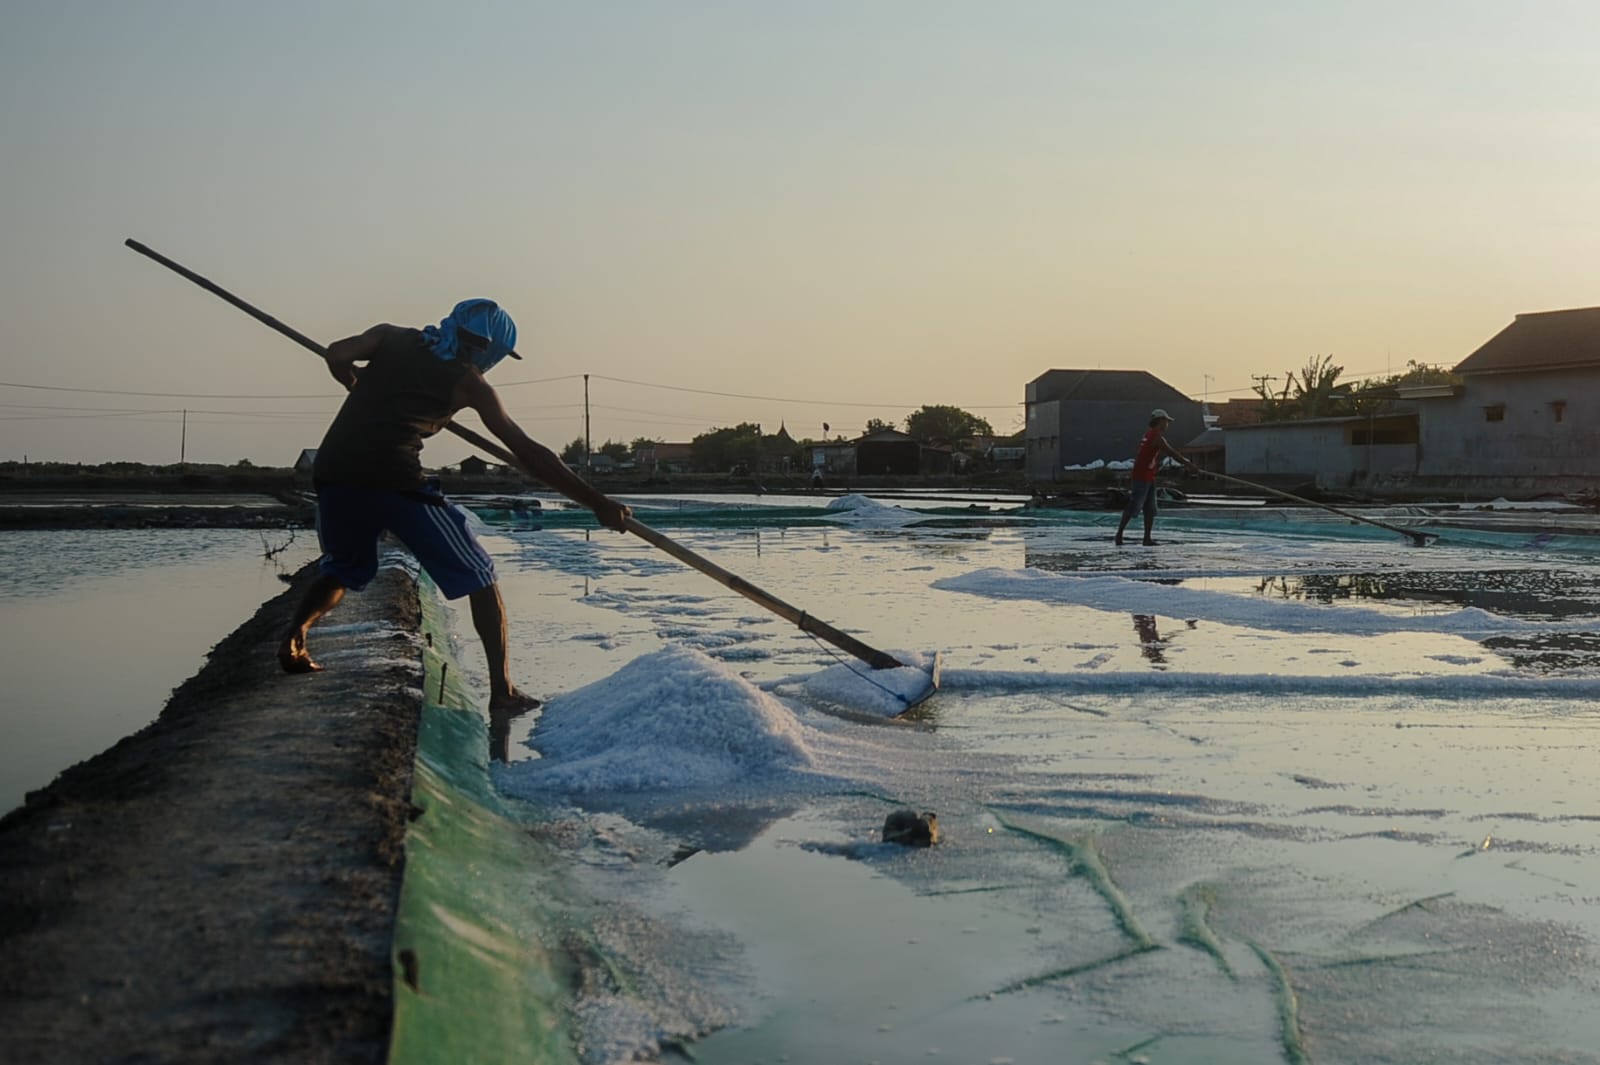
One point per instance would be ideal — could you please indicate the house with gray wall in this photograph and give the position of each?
(1341, 452)
(1524, 420)
(1526, 416)
(1077, 417)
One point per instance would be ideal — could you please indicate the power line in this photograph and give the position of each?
(654, 417)
(158, 410)
(162, 395)
(81, 417)
(781, 399)
(499, 386)
(686, 419)
(538, 381)
(99, 410)
(90, 413)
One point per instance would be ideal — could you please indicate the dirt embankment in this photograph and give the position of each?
(156, 516)
(221, 886)
(112, 504)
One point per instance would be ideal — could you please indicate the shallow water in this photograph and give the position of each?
(1262, 794)
(1274, 791)
(101, 624)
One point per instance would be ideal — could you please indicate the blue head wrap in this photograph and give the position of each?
(481, 318)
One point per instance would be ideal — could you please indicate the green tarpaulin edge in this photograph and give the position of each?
(473, 980)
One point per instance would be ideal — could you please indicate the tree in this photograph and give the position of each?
(1416, 373)
(1314, 389)
(1311, 392)
(878, 425)
(1420, 373)
(944, 425)
(1377, 395)
(722, 449)
(572, 454)
(615, 449)
(641, 443)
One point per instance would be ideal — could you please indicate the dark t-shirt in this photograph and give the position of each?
(402, 396)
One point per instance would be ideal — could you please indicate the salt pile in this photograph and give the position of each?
(667, 720)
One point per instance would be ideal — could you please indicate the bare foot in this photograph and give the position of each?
(504, 709)
(294, 658)
(513, 704)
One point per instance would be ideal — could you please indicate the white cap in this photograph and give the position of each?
(1159, 413)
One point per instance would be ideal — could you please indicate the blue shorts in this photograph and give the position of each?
(350, 522)
(1141, 496)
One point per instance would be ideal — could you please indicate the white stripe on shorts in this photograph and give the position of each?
(469, 554)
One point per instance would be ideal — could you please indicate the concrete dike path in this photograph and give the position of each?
(298, 869)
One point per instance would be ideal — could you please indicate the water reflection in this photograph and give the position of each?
(1101, 559)
(1543, 595)
(1549, 652)
(1150, 640)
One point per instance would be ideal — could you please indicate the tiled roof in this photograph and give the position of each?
(1105, 385)
(1547, 340)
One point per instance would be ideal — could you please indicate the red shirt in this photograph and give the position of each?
(1149, 457)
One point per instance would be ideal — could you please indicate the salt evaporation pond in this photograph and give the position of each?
(1277, 790)
(1282, 789)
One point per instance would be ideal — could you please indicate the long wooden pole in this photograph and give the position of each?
(807, 623)
(1417, 538)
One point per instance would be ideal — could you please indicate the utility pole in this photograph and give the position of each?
(1371, 428)
(586, 463)
(1261, 380)
(183, 437)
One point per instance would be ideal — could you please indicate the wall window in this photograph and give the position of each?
(1558, 410)
(1494, 412)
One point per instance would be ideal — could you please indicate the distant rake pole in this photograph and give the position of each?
(1417, 539)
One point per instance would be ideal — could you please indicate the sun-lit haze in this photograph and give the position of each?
(788, 213)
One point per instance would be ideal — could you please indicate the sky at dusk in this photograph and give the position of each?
(769, 212)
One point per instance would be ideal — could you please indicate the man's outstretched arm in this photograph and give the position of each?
(537, 459)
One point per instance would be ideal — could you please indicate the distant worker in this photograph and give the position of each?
(368, 476)
(1142, 479)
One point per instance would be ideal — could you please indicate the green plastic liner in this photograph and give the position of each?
(473, 981)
